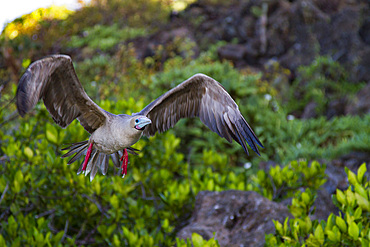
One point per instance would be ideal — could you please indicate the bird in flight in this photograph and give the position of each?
(54, 80)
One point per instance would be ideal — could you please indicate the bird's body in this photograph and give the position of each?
(54, 80)
(115, 135)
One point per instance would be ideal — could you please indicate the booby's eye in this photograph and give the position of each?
(137, 120)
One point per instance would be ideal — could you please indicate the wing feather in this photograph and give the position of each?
(203, 97)
(54, 80)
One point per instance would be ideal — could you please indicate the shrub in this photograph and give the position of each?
(321, 82)
(349, 228)
(280, 183)
(105, 38)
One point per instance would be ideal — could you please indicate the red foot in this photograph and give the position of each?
(87, 157)
(124, 160)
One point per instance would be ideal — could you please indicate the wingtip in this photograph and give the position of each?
(21, 95)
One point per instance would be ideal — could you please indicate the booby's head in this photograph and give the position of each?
(139, 122)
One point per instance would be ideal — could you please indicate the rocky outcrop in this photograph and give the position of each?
(361, 103)
(238, 218)
(293, 32)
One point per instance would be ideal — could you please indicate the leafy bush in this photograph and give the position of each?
(197, 241)
(350, 229)
(105, 37)
(280, 183)
(321, 82)
(43, 202)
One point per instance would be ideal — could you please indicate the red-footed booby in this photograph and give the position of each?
(54, 80)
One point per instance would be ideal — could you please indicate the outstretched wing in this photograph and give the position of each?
(54, 80)
(203, 97)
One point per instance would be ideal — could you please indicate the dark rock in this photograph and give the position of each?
(238, 53)
(324, 206)
(336, 108)
(293, 32)
(238, 218)
(232, 52)
(361, 103)
(329, 6)
(336, 176)
(337, 179)
(310, 111)
(168, 39)
(364, 31)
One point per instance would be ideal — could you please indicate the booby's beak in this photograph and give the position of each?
(141, 122)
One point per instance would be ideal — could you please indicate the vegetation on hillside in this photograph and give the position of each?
(44, 203)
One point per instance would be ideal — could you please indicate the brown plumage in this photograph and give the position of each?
(54, 80)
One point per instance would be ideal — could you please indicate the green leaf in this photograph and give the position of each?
(358, 213)
(353, 230)
(333, 237)
(341, 197)
(114, 201)
(351, 176)
(279, 227)
(363, 202)
(26, 63)
(116, 241)
(110, 230)
(361, 172)
(306, 198)
(337, 233)
(28, 152)
(58, 237)
(329, 222)
(319, 234)
(2, 241)
(197, 240)
(210, 185)
(51, 134)
(165, 223)
(365, 242)
(286, 224)
(351, 199)
(19, 176)
(308, 223)
(341, 224)
(18, 181)
(361, 191)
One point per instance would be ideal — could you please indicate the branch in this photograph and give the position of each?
(4, 192)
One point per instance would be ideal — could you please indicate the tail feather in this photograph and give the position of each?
(132, 150)
(79, 171)
(74, 150)
(92, 162)
(97, 161)
(95, 166)
(115, 159)
(77, 156)
(73, 145)
(104, 164)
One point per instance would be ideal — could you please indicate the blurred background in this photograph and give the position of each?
(298, 69)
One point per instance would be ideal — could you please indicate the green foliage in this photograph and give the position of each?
(197, 241)
(321, 82)
(43, 201)
(352, 228)
(29, 23)
(280, 183)
(37, 31)
(105, 37)
(158, 194)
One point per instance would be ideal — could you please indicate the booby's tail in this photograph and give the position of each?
(97, 159)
